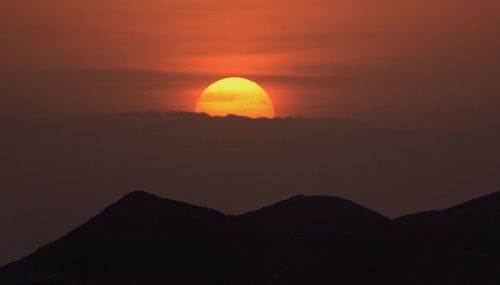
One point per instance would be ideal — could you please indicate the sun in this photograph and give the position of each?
(236, 96)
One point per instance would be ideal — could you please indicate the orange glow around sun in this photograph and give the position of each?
(236, 96)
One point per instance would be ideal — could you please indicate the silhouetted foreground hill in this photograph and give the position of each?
(227, 163)
(459, 245)
(144, 239)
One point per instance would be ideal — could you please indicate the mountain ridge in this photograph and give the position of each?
(150, 239)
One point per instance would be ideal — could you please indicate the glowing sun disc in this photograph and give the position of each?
(236, 96)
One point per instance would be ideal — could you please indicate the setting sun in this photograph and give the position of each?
(237, 96)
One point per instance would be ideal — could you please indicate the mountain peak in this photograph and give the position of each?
(146, 239)
(316, 213)
(145, 203)
(136, 200)
(138, 195)
(316, 203)
(297, 197)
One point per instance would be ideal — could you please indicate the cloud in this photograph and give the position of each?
(319, 58)
(41, 93)
(57, 173)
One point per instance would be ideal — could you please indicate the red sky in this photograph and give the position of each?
(335, 58)
(413, 63)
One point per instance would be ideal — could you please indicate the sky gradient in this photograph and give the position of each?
(412, 60)
(401, 99)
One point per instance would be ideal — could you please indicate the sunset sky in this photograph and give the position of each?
(336, 58)
(401, 100)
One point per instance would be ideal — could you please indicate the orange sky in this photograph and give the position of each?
(316, 58)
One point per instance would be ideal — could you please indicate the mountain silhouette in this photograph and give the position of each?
(233, 163)
(145, 239)
(462, 241)
(140, 235)
(477, 218)
(316, 214)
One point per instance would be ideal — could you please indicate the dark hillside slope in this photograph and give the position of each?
(140, 236)
(143, 239)
(458, 245)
